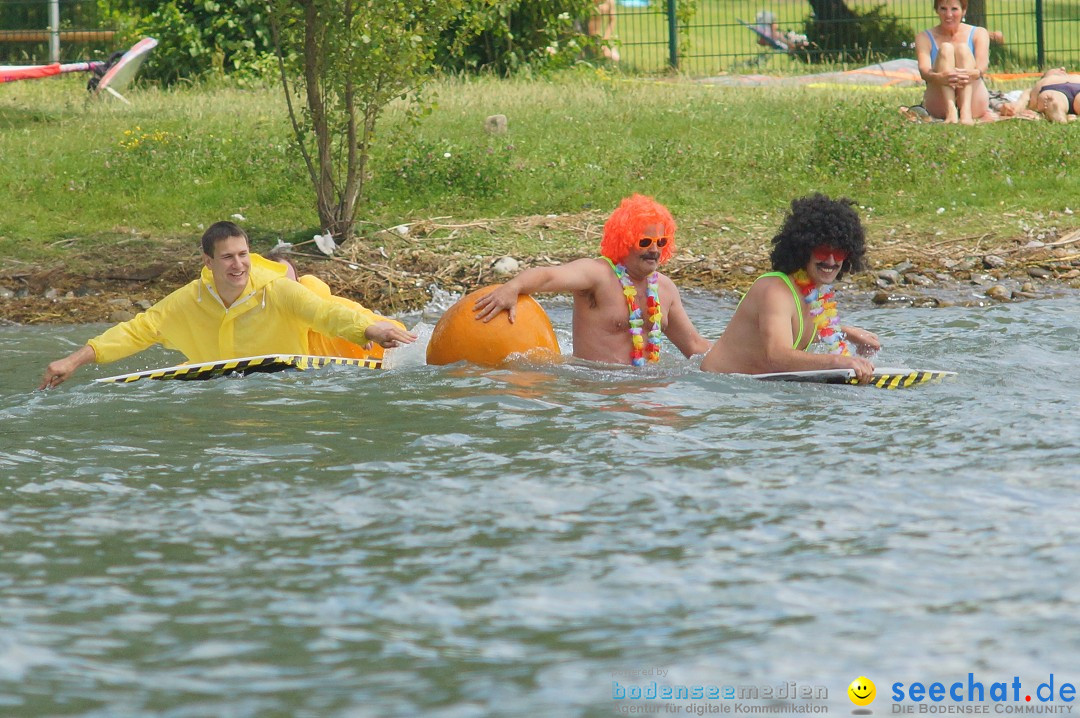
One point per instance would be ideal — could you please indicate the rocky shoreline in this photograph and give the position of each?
(904, 273)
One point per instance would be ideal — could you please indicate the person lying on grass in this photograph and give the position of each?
(1056, 95)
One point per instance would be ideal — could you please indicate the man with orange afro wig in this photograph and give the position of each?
(622, 303)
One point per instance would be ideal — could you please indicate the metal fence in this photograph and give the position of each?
(38, 31)
(718, 38)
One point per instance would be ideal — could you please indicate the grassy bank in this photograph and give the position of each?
(93, 182)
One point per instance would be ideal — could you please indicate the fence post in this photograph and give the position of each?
(672, 35)
(54, 30)
(1040, 36)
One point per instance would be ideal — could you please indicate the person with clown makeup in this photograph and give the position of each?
(788, 310)
(623, 304)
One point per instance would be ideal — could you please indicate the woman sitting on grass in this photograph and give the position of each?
(953, 57)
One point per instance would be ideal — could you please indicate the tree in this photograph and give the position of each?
(833, 11)
(976, 13)
(344, 61)
(837, 10)
(841, 34)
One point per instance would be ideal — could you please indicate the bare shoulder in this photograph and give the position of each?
(769, 284)
(579, 275)
(769, 291)
(596, 269)
(586, 265)
(596, 264)
(665, 283)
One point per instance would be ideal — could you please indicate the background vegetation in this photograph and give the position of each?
(208, 138)
(206, 38)
(103, 177)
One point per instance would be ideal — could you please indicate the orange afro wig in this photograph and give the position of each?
(627, 226)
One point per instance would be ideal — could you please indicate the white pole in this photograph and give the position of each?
(54, 30)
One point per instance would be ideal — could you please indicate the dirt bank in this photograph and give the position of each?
(393, 271)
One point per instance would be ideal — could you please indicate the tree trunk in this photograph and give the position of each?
(832, 10)
(976, 13)
(325, 193)
(834, 27)
(357, 57)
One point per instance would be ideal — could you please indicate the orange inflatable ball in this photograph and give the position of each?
(459, 336)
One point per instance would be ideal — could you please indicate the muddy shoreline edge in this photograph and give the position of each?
(902, 273)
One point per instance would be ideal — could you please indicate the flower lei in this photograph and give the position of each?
(642, 350)
(822, 304)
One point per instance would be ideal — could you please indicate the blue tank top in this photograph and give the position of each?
(933, 44)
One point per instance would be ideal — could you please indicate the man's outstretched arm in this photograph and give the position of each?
(58, 371)
(576, 276)
(389, 335)
(866, 342)
(681, 331)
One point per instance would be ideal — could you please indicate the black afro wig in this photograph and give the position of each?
(818, 221)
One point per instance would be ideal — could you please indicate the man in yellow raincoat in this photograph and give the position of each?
(241, 305)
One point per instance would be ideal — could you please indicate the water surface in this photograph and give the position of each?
(453, 541)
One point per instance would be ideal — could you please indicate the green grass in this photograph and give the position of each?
(718, 43)
(107, 178)
(726, 152)
(95, 172)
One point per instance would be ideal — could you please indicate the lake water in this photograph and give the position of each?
(453, 541)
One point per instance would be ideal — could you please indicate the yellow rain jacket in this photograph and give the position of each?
(330, 346)
(272, 316)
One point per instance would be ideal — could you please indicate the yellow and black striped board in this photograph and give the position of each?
(242, 366)
(884, 378)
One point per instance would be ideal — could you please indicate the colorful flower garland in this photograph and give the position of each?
(642, 350)
(822, 304)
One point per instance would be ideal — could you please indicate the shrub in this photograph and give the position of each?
(201, 38)
(507, 36)
(864, 38)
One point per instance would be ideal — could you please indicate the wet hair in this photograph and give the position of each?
(627, 225)
(219, 232)
(963, 5)
(290, 268)
(817, 221)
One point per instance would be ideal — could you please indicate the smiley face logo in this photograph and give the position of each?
(862, 691)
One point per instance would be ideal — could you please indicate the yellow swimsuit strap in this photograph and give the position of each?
(795, 296)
